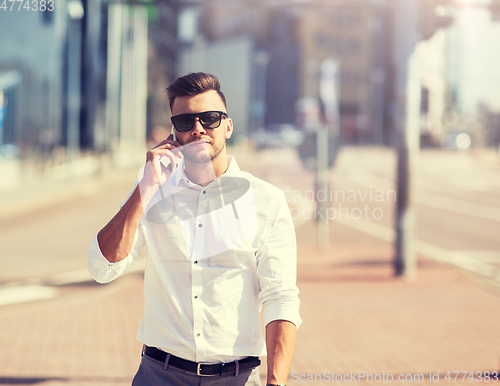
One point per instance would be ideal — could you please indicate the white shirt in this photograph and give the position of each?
(214, 256)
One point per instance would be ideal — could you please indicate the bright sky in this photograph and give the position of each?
(480, 58)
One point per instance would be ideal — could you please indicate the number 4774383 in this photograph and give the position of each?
(27, 5)
(477, 376)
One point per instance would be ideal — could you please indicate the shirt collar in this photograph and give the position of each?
(179, 175)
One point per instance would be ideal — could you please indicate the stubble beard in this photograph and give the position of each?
(202, 156)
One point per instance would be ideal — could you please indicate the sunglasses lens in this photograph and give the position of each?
(183, 122)
(210, 119)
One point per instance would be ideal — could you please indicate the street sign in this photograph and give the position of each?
(328, 90)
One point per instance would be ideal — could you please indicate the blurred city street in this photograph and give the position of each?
(60, 328)
(379, 119)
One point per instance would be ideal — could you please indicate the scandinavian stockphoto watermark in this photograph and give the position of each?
(329, 204)
(355, 377)
(367, 376)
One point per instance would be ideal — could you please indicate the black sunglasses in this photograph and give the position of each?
(208, 119)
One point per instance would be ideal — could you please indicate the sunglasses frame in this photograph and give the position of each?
(197, 115)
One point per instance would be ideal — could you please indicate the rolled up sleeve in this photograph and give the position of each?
(102, 270)
(277, 266)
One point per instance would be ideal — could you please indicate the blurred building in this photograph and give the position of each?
(163, 52)
(290, 41)
(475, 32)
(32, 67)
(295, 40)
(221, 38)
(432, 58)
(88, 75)
(357, 37)
(72, 79)
(471, 72)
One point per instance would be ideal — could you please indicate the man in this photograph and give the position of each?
(220, 244)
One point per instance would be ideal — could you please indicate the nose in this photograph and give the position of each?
(197, 129)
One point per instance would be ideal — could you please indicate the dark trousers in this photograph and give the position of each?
(155, 373)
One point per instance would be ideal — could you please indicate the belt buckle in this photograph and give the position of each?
(198, 368)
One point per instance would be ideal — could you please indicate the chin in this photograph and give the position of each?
(200, 160)
(199, 157)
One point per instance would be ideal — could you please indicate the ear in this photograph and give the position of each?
(229, 128)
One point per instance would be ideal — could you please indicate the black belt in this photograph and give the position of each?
(199, 368)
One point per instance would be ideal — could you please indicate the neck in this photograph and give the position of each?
(203, 174)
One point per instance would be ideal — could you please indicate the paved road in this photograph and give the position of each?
(54, 239)
(457, 195)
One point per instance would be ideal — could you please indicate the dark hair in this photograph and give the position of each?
(194, 84)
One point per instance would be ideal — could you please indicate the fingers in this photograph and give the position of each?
(159, 172)
(170, 141)
(156, 165)
(155, 172)
(170, 155)
(171, 150)
(173, 146)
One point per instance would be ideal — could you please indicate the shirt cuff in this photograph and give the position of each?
(283, 310)
(101, 269)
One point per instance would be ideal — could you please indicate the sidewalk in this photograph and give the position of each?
(356, 318)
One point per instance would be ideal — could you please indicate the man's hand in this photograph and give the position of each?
(116, 238)
(155, 173)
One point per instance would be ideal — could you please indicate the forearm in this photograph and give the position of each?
(117, 237)
(280, 341)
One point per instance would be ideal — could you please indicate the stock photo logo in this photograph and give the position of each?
(328, 204)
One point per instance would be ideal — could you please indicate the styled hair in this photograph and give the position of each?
(194, 84)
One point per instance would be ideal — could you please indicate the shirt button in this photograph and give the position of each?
(200, 225)
(204, 192)
(196, 297)
(196, 262)
(198, 334)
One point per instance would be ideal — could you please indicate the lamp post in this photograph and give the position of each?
(405, 18)
(75, 15)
